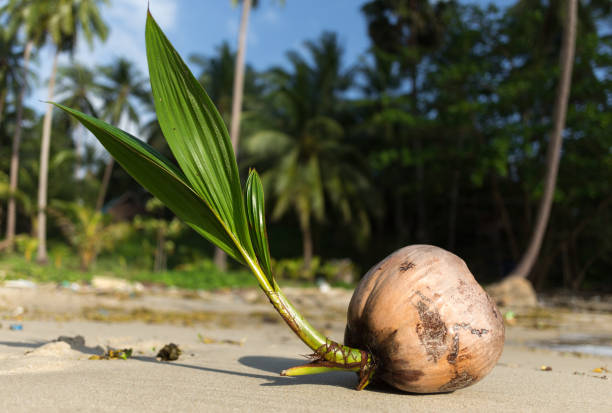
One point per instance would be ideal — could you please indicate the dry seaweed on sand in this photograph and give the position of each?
(112, 354)
(210, 340)
(169, 352)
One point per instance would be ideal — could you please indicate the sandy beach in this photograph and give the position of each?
(234, 345)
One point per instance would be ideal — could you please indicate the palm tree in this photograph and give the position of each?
(11, 75)
(66, 20)
(409, 30)
(30, 16)
(87, 230)
(12, 79)
(239, 72)
(553, 157)
(239, 67)
(381, 103)
(77, 88)
(217, 77)
(307, 165)
(121, 83)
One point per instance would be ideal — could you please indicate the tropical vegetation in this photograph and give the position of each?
(438, 135)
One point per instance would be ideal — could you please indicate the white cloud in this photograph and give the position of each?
(270, 16)
(252, 37)
(165, 12)
(126, 20)
(129, 11)
(231, 26)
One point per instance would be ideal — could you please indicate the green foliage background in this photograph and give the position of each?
(437, 135)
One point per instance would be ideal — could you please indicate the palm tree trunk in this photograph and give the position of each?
(452, 215)
(220, 256)
(239, 75)
(421, 228)
(108, 171)
(41, 255)
(554, 147)
(307, 249)
(12, 210)
(2, 102)
(220, 259)
(78, 148)
(160, 251)
(506, 223)
(454, 196)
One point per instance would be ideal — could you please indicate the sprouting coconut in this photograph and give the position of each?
(428, 324)
(418, 320)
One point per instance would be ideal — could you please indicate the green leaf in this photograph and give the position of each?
(196, 134)
(254, 199)
(160, 177)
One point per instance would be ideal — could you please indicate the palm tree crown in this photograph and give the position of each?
(63, 21)
(303, 152)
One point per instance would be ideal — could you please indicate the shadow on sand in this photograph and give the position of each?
(273, 366)
(76, 343)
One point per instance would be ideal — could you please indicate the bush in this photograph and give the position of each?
(338, 271)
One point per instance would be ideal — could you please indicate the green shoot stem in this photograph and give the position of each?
(307, 369)
(328, 354)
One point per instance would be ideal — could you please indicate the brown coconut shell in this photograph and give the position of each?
(428, 323)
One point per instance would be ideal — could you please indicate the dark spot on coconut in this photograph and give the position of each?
(406, 375)
(462, 286)
(476, 331)
(454, 350)
(464, 355)
(384, 347)
(382, 344)
(479, 332)
(431, 330)
(406, 265)
(459, 381)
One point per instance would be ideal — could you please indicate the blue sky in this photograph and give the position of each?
(198, 26)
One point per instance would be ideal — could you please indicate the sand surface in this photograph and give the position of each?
(38, 373)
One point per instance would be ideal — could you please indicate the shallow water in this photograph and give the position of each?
(578, 343)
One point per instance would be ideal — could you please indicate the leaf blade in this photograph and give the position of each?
(196, 133)
(160, 177)
(256, 218)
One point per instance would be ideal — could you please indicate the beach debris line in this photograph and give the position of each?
(169, 352)
(510, 317)
(450, 312)
(595, 376)
(209, 340)
(112, 354)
